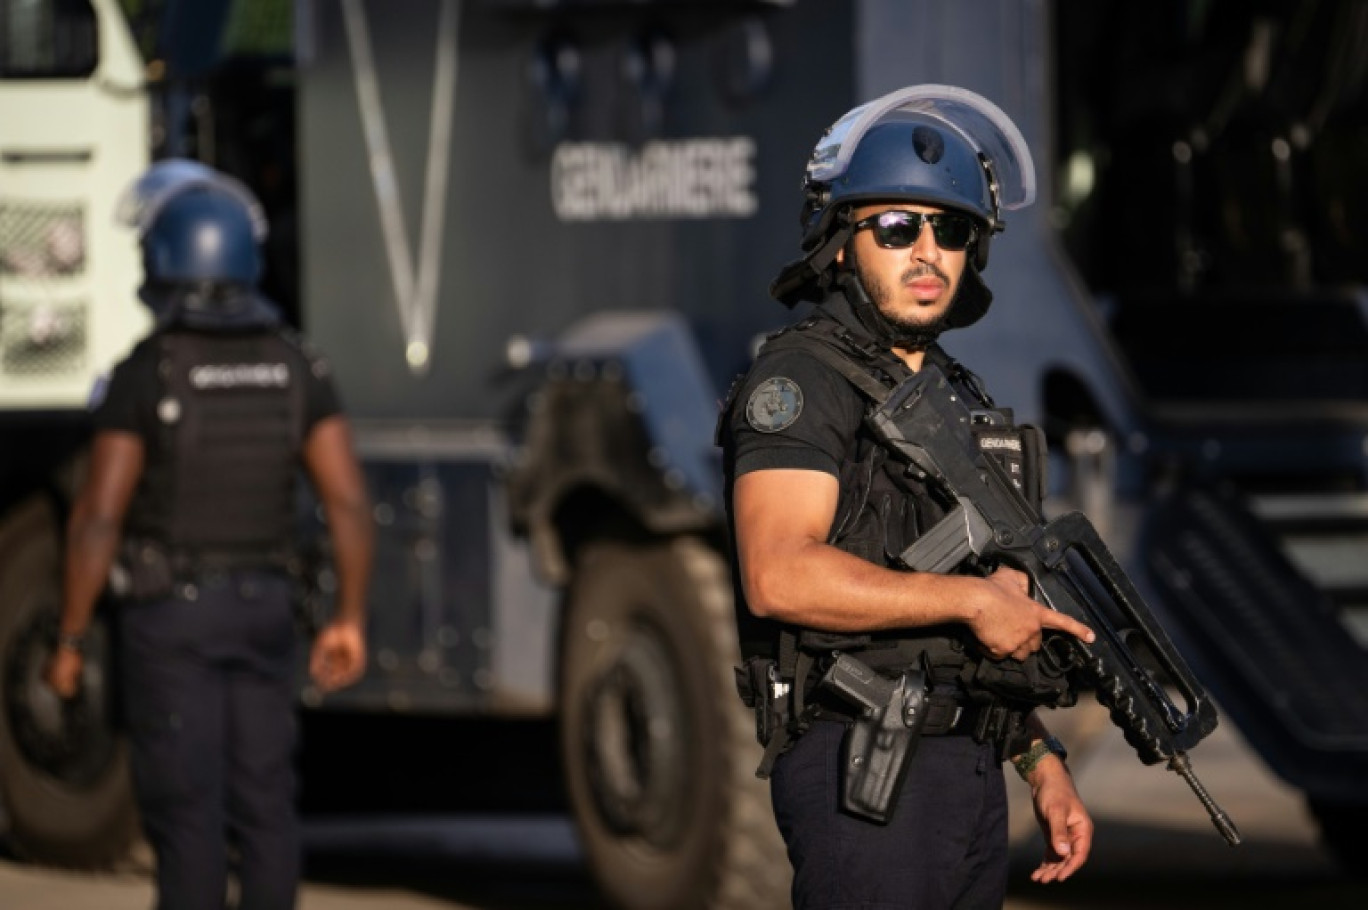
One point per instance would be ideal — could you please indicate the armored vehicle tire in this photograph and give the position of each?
(1344, 832)
(64, 778)
(658, 752)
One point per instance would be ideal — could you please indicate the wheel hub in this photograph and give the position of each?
(635, 744)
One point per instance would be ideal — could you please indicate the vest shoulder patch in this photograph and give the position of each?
(774, 405)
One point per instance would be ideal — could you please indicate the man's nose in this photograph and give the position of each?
(926, 248)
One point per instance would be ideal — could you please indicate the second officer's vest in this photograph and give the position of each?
(219, 485)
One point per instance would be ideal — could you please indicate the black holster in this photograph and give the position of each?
(881, 741)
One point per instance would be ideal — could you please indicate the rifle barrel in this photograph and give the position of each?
(1180, 764)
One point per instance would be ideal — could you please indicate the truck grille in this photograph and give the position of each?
(43, 313)
(42, 241)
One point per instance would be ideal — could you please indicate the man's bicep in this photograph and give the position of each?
(116, 463)
(331, 463)
(779, 515)
(781, 510)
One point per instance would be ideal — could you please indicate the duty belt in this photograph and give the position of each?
(150, 570)
(185, 564)
(946, 715)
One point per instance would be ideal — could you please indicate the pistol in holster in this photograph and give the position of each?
(883, 737)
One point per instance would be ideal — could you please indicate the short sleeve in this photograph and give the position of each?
(793, 411)
(127, 400)
(321, 400)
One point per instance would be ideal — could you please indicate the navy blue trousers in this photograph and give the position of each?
(945, 846)
(209, 700)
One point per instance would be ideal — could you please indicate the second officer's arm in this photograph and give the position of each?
(339, 652)
(92, 540)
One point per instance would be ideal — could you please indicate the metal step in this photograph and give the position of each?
(1269, 643)
(1326, 537)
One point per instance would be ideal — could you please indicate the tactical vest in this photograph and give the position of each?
(882, 508)
(219, 483)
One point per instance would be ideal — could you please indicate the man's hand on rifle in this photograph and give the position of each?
(1009, 623)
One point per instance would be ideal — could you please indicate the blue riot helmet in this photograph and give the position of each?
(930, 144)
(201, 233)
(195, 224)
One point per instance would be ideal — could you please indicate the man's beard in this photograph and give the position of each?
(910, 332)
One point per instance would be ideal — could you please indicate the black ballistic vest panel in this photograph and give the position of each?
(220, 482)
(882, 509)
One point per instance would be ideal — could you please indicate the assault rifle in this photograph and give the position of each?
(991, 523)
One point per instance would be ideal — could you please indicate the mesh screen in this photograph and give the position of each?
(41, 241)
(42, 339)
(42, 327)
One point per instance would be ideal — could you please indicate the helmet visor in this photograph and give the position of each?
(140, 204)
(982, 124)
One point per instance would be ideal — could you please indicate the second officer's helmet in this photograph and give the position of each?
(930, 144)
(195, 224)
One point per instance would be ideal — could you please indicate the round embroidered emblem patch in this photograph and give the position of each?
(774, 405)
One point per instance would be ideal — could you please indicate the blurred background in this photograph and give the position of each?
(534, 239)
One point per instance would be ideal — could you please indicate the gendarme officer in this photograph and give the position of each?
(902, 196)
(189, 510)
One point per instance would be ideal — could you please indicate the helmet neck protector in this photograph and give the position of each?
(208, 306)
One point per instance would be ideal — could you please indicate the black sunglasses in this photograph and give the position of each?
(897, 230)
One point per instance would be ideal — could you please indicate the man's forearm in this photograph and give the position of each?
(1034, 760)
(90, 548)
(1035, 727)
(353, 545)
(823, 587)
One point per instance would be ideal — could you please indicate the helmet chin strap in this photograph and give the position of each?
(971, 302)
(880, 326)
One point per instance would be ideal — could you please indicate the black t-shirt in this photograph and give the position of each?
(792, 411)
(129, 400)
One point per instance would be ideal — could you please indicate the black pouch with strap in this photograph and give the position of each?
(142, 571)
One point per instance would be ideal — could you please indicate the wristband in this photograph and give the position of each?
(71, 642)
(1026, 762)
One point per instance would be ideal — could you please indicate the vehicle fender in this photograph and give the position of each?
(619, 429)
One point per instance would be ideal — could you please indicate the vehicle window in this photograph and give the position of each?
(47, 39)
